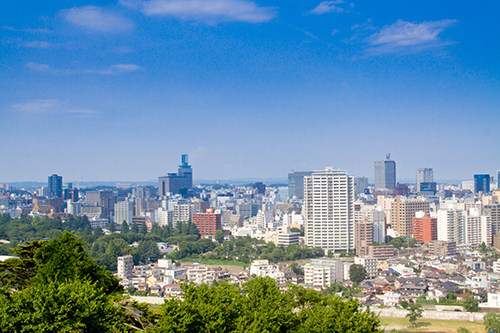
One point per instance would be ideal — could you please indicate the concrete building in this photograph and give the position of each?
(263, 268)
(424, 175)
(287, 238)
(385, 174)
(451, 225)
(321, 273)
(381, 252)
(296, 183)
(493, 211)
(403, 211)
(125, 267)
(183, 212)
(124, 211)
(360, 185)
(363, 237)
(443, 248)
(177, 183)
(477, 228)
(207, 223)
(369, 263)
(424, 227)
(328, 210)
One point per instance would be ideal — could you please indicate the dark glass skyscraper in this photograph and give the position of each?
(385, 174)
(55, 186)
(482, 183)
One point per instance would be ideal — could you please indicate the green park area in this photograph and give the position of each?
(431, 325)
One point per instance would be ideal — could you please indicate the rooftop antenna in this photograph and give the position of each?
(388, 156)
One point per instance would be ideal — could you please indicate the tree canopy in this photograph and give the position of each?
(357, 273)
(261, 307)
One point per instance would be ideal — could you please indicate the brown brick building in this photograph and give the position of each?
(425, 228)
(207, 223)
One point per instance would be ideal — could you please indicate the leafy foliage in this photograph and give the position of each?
(262, 308)
(414, 313)
(492, 321)
(357, 273)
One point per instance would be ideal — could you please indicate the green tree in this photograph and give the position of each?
(125, 228)
(404, 304)
(471, 304)
(414, 313)
(144, 229)
(219, 236)
(357, 273)
(112, 226)
(463, 330)
(492, 322)
(134, 228)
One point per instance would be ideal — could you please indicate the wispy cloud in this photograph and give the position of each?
(97, 19)
(83, 111)
(112, 70)
(38, 106)
(328, 7)
(209, 11)
(36, 44)
(408, 37)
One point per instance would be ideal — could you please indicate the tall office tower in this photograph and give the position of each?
(177, 183)
(259, 187)
(482, 183)
(360, 185)
(186, 171)
(296, 184)
(329, 210)
(451, 225)
(477, 228)
(403, 211)
(55, 186)
(363, 237)
(385, 174)
(424, 175)
(424, 228)
(124, 211)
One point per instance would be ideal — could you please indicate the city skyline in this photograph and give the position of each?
(118, 90)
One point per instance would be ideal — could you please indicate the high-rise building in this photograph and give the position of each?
(424, 175)
(451, 225)
(55, 186)
(360, 185)
(403, 211)
(259, 187)
(385, 174)
(124, 211)
(296, 184)
(363, 234)
(482, 183)
(424, 228)
(125, 267)
(477, 228)
(328, 210)
(207, 223)
(186, 171)
(177, 183)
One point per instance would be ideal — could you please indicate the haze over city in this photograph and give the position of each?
(118, 90)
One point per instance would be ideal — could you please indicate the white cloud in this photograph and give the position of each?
(37, 44)
(38, 106)
(38, 67)
(97, 19)
(335, 31)
(112, 70)
(83, 111)
(408, 36)
(115, 69)
(328, 7)
(210, 11)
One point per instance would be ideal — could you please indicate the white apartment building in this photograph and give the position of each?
(125, 266)
(369, 263)
(319, 276)
(477, 228)
(124, 211)
(263, 268)
(183, 213)
(328, 210)
(451, 225)
(164, 217)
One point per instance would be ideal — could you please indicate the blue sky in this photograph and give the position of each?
(118, 90)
